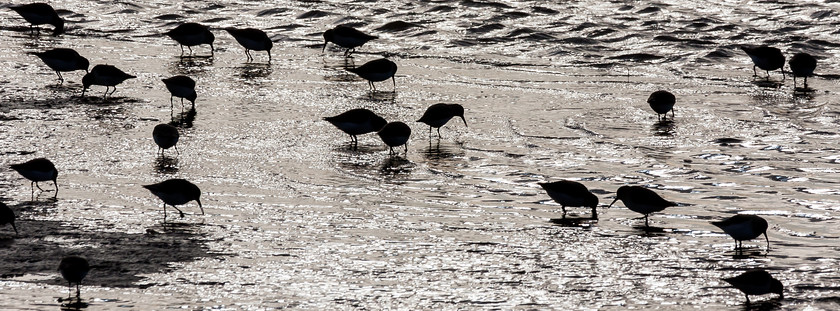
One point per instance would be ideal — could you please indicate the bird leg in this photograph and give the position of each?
(182, 50)
(60, 78)
(438, 130)
(36, 185)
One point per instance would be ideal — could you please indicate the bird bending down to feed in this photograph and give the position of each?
(192, 34)
(74, 269)
(641, 200)
(165, 136)
(395, 134)
(437, 115)
(802, 65)
(357, 122)
(39, 14)
(661, 102)
(346, 37)
(180, 86)
(176, 192)
(572, 194)
(7, 216)
(756, 282)
(62, 59)
(105, 75)
(251, 39)
(376, 70)
(767, 58)
(36, 170)
(744, 227)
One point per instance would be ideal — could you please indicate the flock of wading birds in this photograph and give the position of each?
(355, 122)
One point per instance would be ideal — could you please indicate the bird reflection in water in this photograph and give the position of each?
(251, 71)
(582, 222)
(396, 165)
(437, 152)
(184, 119)
(663, 128)
(166, 165)
(194, 61)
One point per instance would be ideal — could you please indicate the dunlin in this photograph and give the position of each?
(74, 269)
(802, 65)
(743, 227)
(357, 122)
(756, 282)
(165, 136)
(63, 60)
(192, 34)
(767, 58)
(7, 216)
(39, 14)
(346, 37)
(661, 102)
(572, 194)
(105, 75)
(180, 86)
(36, 170)
(176, 192)
(251, 39)
(395, 134)
(641, 200)
(438, 115)
(376, 70)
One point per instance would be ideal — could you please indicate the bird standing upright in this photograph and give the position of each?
(347, 37)
(438, 115)
(39, 14)
(251, 39)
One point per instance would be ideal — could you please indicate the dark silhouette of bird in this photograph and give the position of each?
(37, 170)
(802, 65)
(62, 59)
(192, 34)
(180, 86)
(641, 200)
(438, 115)
(251, 39)
(74, 269)
(39, 14)
(176, 192)
(357, 122)
(376, 70)
(744, 227)
(661, 102)
(395, 134)
(7, 216)
(767, 58)
(756, 282)
(346, 37)
(572, 194)
(165, 136)
(105, 75)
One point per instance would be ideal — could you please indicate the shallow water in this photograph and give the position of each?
(295, 219)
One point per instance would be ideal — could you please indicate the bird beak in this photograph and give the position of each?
(325, 46)
(199, 206)
(613, 202)
(465, 121)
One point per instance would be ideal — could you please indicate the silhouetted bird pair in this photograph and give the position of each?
(769, 58)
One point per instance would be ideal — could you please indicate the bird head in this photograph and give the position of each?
(328, 36)
(620, 194)
(59, 26)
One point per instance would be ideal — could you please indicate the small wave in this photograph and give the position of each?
(637, 57)
(273, 11)
(485, 28)
(314, 14)
(397, 26)
(441, 8)
(169, 17)
(648, 10)
(485, 4)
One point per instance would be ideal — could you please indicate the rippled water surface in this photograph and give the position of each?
(296, 219)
